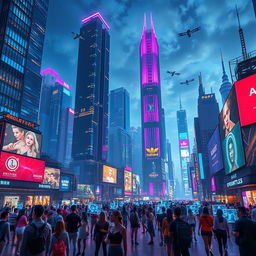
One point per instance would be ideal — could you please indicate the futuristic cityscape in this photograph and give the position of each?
(127, 127)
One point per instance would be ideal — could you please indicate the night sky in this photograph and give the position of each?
(189, 56)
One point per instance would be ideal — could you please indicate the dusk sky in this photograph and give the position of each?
(189, 56)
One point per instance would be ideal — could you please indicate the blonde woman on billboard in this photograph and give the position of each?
(31, 144)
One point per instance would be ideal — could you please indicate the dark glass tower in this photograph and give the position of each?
(91, 105)
(170, 167)
(151, 114)
(22, 26)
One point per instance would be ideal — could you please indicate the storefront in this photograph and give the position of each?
(249, 198)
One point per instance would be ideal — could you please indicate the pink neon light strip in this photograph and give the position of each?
(152, 139)
(58, 80)
(96, 15)
(49, 71)
(71, 110)
(128, 168)
(151, 189)
(150, 116)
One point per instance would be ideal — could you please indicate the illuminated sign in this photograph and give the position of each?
(246, 99)
(201, 165)
(152, 142)
(152, 151)
(184, 164)
(213, 185)
(183, 136)
(235, 182)
(109, 174)
(127, 181)
(184, 143)
(52, 177)
(65, 183)
(19, 120)
(184, 153)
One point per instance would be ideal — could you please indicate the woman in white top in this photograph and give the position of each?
(83, 233)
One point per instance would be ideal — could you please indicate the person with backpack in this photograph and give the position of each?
(60, 241)
(245, 233)
(4, 230)
(13, 222)
(206, 227)
(73, 221)
(135, 224)
(83, 233)
(37, 235)
(160, 221)
(221, 232)
(191, 220)
(180, 233)
(166, 232)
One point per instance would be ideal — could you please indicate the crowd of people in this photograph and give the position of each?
(64, 231)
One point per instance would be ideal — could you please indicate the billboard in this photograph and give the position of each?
(52, 177)
(229, 114)
(152, 142)
(213, 184)
(246, 100)
(85, 189)
(21, 141)
(201, 165)
(134, 185)
(215, 152)
(127, 181)
(65, 183)
(233, 152)
(109, 174)
(17, 167)
(184, 143)
(183, 136)
(184, 153)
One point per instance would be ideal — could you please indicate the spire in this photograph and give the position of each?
(145, 22)
(200, 89)
(241, 34)
(151, 23)
(222, 62)
(180, 104)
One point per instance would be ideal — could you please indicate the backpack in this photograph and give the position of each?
(59, 248)
(183, 234)
(36, 244)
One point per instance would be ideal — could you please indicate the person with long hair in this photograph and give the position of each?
(166, 232)
(31, 144)
(143, 221)
(125, 216)
(206, 227)
(117, 235)
(100, 233)
(150, 229)
(22, 222)
(221, 232)
(58, 236)
(83, 233)
(191, 220)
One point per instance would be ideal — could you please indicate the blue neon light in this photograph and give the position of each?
(201, 166)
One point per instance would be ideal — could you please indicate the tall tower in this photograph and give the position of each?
(151, 117)
(241, 35)
(226, 85)
(22, 26)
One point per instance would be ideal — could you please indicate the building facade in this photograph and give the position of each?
(170, 167)
(22, 25)
(154, 177)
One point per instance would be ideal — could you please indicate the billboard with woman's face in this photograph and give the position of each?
(52, 177)
(21, 141)
(109, 174)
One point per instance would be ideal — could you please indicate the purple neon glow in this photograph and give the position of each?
(154, 115)
(49, 71)
(152, 140)
(213, 185)
(71, 110)
(58, 80)
(194, 182)
(128, 168)
(164, 188)
(96, 15)
(151, 189)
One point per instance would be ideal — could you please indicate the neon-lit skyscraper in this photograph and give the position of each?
(151, 116)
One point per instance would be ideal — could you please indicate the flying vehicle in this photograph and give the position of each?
(80, 36)
(187, 81)
(189, 32)
(172, 73)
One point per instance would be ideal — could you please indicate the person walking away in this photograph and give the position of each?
(100, 233)
(245, 233)
(125, 216)
(160, 220)
(13, 222)
(180, 233)
(60, 241)
(150, 228)
(22, 222)
(73, 222)
(206, 227)
(4, 231)
(144, 221)
(117, 235)
(166, 232)
(37, 235)
(221, 232)
(57, 217)
(83, 233)
(64, 212)
(191, 220)
(135, 224)
(94, 219)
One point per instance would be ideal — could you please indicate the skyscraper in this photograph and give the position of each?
(254, 6)
(184, 150)
(170, 166)
(22, 26)
(226, 85)
(91, 104)
(151, 114)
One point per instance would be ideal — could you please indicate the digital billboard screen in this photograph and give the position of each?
(184, 153)
(21, 141)
(183, 136)
(127, 181)
(109, 174)
(229, 114)
(246, 100)
(85, 189)
(213, 184)
(52, 177)
(233, 152)
(184, 143)
(215, 152)
(65, 183)
(17, 167)
(134, 186)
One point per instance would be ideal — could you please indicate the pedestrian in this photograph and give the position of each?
(37, 235)
(117, 236)
(191, 220)
(60, 240)
(221, 232)
(245, 233)
(94, 219)
(125, 216)
(180, 233)
(150, 225)
(160, 221)
(206, 228)
(166, 232)
(57, 217)
(22, 222)
(83, 233)
(253, 213)
(144, 221)
(135, 224)
(4, 231)
(100, 233)
(13, 222)
(73, 222)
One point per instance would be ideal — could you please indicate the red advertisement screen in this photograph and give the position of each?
(246, 99)
(16, 167)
